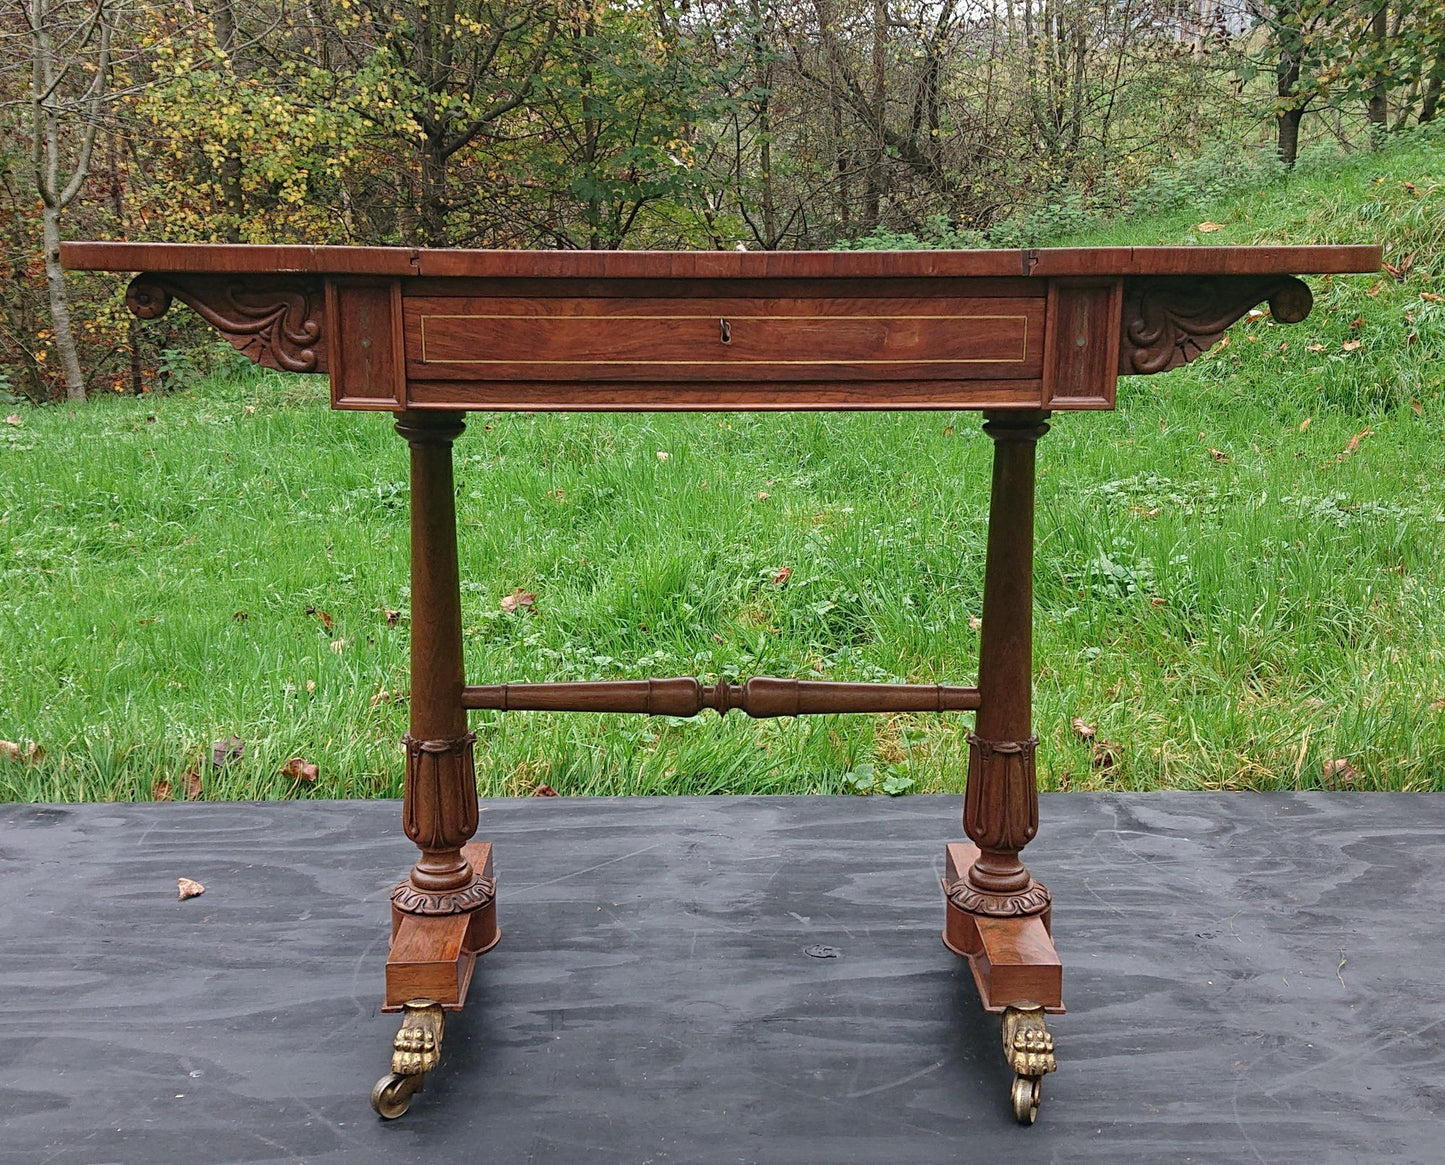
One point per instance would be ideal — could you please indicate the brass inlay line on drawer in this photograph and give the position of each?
(1021, 358)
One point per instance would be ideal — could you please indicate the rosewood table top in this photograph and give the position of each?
(409, 329)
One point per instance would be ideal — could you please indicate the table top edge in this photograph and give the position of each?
(391, 262)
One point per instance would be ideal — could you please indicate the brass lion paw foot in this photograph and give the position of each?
(1029, 1049)
(415, 1051)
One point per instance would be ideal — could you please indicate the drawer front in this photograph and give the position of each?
(721, 341)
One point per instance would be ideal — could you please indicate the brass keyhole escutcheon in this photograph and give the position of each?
(725, 331)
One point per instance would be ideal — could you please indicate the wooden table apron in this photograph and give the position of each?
(427, 335)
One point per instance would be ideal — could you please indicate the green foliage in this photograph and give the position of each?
(1240, 574)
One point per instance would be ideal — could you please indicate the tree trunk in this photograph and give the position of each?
(873, 196)
(1375, 107)
(230, 170)
(132, 325)
(1432, 89)
(433, 194)
(48, 106)
(1287, 120)
(60, 306)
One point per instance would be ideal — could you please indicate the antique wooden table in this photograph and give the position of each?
(428, 335)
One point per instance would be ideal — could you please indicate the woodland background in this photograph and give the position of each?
(640, 123)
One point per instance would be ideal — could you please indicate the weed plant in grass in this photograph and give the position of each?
(1240, 573)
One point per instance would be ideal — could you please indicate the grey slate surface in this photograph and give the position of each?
(1250, 979)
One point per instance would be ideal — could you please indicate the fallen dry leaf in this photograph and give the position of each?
(1374, 291)
(1305, 424)
(1314, 347)
(763, 495)
(1432, 297)
(1339, 772)
(193, 783)
(223, 752)
(13, 419)
(518, 599)
(1417, 406)
(323, 616)
(1357, 323)
(392, 617)
(1103, 754)
(9, 750)
(338, 645)
(1152, 512)
(1083, 728)
(1219, 455)
(1404, 267)
(782, 576)
(974, 623)
(1158, 601)
(1208, 228)
(1438, 705)
(188, 888)
(240, 616)
(1350, 345)
(544, 791)
(161, 790)
(663, 455)
(298, 768)
(1353, 444)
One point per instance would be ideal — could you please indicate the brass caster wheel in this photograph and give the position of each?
(1027, 1093)
(392, 1095)
(1029, 1049)
(415, 1051)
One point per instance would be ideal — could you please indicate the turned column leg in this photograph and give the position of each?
(439, 810)
(444, 913)
(997, 915)
(1001, 804)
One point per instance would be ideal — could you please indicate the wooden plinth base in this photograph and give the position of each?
(1013, 959)
(432, 955)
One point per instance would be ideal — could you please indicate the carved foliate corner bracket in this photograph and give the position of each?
(1170, 320)
(274, 321)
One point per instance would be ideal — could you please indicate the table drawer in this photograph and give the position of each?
(721, 341)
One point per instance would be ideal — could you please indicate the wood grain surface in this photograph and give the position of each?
(223, 258)
(722, 338)
(1250, 978)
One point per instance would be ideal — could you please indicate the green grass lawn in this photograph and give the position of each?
(1240, 573)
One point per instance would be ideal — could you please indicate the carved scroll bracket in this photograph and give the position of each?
(274, 321)
(1170, 320)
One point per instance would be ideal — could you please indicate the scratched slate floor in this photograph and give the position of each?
(1250, 979)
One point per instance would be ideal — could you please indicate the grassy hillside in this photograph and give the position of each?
(1240, 581)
